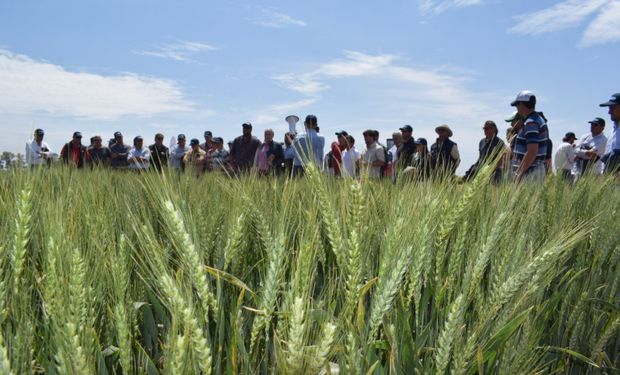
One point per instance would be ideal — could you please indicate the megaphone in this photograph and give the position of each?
(292, 121)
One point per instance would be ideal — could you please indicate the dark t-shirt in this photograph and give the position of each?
(405, 153)
(121, 160)
(159, 156)
(243, 151)
(99, 156)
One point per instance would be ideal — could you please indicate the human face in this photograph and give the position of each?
(489, 131)
(443, 134)
(596, 129)
(614, 112)
(369, 139)
(77, 140)
(420, 148)
(268, 136)
(181, 142)
(406, 135)
(139, 144)
(247, 131)
(119, 140)
(159, 141)
(342, 139)
(97, 142)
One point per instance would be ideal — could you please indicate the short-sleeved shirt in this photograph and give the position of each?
(534, 131)
(243, 151)
(374, 153)
(136, 153)
(99, 156)
(219, 160)
(176, 155)
(309, 147)
(33, 152)
(159, 156)
(121, 160)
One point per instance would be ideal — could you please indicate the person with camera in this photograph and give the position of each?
(590, 149)
(37, 151)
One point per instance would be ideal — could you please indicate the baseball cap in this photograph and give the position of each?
(570, 135)
(247, 125)
(597, 121)
(208, 134)
(524, 96)
(118, 134)
(615, 99)
(406, 128)
(138, 138)
(39, 132)
(194, 142)
(342, 132)
(218, 140)
(421, 141)
(77, 135)
(181, 137)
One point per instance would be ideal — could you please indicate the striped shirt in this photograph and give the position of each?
(534, 130)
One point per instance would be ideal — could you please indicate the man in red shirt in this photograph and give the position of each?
(74, 153)
(337, 148)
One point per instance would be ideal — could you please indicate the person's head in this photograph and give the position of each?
(38, 135)
(194, 144)
(342, 136)
(97, 141)
(375, 134)
(397, 137)
(311, 122)
(159, 139)
(614, 107)
(421, 146)
(597, 126)
(77, 138)
(524, 103)
(268, 135)
(444, 132)
(369, 136)
(247, 129)
(218, 143)
(490, 129)
(570, 137)
(138, 142)
(181, 140)
(349, 142)
(406, 132)
(208, 136)
(118, 138)
(288, 138)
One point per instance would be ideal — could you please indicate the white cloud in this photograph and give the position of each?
(428, 6)
(273, 116)
(561, 16)
(307, 84)
(182, 51)
(605, 28)
(30, 86)
(270, 18)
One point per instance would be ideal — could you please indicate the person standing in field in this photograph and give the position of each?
(397, 138)
(243, 149)
(565, 157)
(159, 153)
(445, 157)
(195, 159)
(531, 141)
(406, 149)
(489, 148)
(337, 148)
(350, 158)
(373, 158)
(612, 151)
(422, 159)
(208, 143)
(269, 156)
(37, 151)
(590, 149)
(308, 146)
(98, 154)
(219, 156)
(289, 153)
(177, 153)
(119, 152)
(139, 156)
(74, 153)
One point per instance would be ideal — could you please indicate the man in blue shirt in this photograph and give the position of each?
(308, 146)
(119, 152)
(532, 139)
(612, 152)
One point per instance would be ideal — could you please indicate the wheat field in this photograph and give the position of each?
(120, 273)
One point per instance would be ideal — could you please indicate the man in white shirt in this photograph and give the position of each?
(350, 158)
(373, 159)
(565, 157)
(37, 151)
(590, 149)
(139, 156)
(178, 151)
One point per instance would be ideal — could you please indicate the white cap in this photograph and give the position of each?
(524, 96)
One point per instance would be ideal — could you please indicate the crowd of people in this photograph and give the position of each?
(526, 154)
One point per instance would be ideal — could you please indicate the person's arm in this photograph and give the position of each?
(380, 155)
(456, 157)
(528, 159)
(130, 158)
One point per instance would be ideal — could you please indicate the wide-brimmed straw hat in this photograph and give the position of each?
(444, 127)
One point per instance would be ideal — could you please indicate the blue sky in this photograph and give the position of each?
(184, 67)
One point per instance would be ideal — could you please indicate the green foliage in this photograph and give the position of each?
(120, 273)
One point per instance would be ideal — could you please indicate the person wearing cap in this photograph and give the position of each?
(406, 150)
(208, 143)
(98, 154)
(37, 151)
(422, 159)
(139, 156)
(289, 153)
(373, 158)
(177, 153)
(336, 148)
(309, 146)
(531, 142)
(159, 153)
(612, 151)
(269, 156)
(350, 158)
(445, 156)
(219, 156)
(74, 153)
(489, 147)
(119, 152)
(196, 158)
(565, 157)
(392, 160)
(243, 149)
(590, 149)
